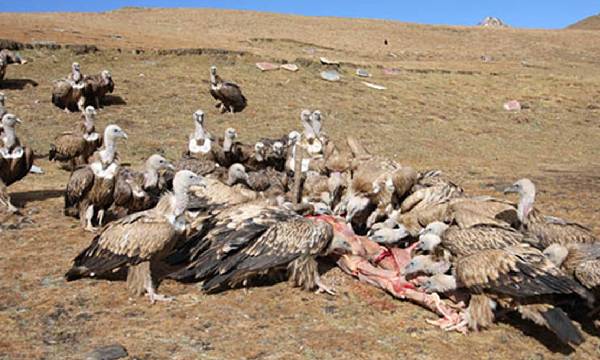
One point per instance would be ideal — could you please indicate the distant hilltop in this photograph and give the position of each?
(589, 23)
(494, 22)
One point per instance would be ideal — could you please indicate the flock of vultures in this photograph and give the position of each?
(230, 214)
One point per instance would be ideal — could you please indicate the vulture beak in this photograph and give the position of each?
(18, 120)
(511, 189)
(339, 245)
(124, 135)
(170, 166)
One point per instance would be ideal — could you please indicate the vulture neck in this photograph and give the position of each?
(181, 200)
(525, 206)
(150, 177)
(88, 123)
(76, 75)
(199, 132)
(110, 149)
(227, 144)
(259, 157)
(9, 137)
(309, 132)
(214, 79)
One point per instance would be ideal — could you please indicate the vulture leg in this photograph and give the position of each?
(81, 103)
(97, 101)
(322, 288)
(5, 199)
(100, 217)
(87, 219)
(218, 105)
(151, 290)
(231, 109)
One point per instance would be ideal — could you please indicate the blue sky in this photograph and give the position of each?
(519, 13)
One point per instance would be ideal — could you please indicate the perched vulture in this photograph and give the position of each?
(75, 76)
(139, 241)
(76, 147)
(268, 181)
(16, 159)
(456, 242)
(430, 189)
(324, 189)
(228, 94)
(198, 157)
(69, 96)
(137, 191)
(581, 261)
(98, 86)
(90, 189)
(310, 141)
(255, 239)
(546, 230)
(518, 277)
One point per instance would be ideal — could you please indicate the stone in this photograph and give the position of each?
(362, 73)
(512, 105)
(374, 86)
(110, 352)
(266, 66)
(330, 75)
(326, 61)
(290, 67)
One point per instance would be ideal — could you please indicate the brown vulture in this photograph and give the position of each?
(140, 190)
(228, 94)
(16, 159)
(581, 261)
(519, 278)
(90, 189)
(76, 147)
(98, 86)
(8, 57)
(139, 241)
(546, 230)
(198, 156)
(241, 242)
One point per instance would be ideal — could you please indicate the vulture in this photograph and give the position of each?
(517, 277)
(269, 181)
(232, 151)
(311, 141)
(228, 94)
(137, 191)
(323, 189)
(431, 188)
(546, 230)
(253, 239)
(8, 57)
(457, 242)
(581, 261)
(139, 241)
(76, 147)
(15, 159)
(75, 76)
(69, 96)
(98, 86)
(90, 189)
(198, 157)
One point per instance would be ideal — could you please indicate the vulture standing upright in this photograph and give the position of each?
(137, 191)
(90, 189)
(228, 94)
(139, 241)
(254, 239)
(546, 230)
(77, 146)
(198, 157)
(70, 93)
(98, 86)
(75, 76)
(15, 159)
(517, 277)
(8, 57)
(232, 151)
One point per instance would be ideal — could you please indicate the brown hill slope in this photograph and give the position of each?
(589, 23)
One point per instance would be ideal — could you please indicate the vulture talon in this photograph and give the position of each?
(322, 288)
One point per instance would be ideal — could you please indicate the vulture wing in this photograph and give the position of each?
(80, 183)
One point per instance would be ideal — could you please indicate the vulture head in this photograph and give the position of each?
(90, 111)
(278, 149)
(230, 134)
(315, 119)
(213, 70)
(387, 235)
(356, 205)
(259, 151)
(523, 187)
(213, 75)
(157, 162)
(556, 253)
(75, 67)
(10, 121)
(185, 179)
(114, 132)
(198, 117)
(305, 118)
(237, 173)
(294, 137)
(106, 76)
(431, 236)
(425, 264)
(439, 283)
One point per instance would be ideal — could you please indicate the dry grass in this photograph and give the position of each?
(442, 110)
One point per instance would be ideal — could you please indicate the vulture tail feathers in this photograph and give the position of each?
(76, 273)
(561, 325)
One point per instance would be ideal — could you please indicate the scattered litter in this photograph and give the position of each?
(392, 55)
(512, 105)
(330, 75)
(290, 67)
(266, 66)
(362, 73)
(36, 170)
(141, 75)
(374, 86)
(326, 61)
(391, 71)
(486, 58)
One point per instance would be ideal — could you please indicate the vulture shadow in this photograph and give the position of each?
(540, 333)
(17, 84)
(110, 100)
(20, 199)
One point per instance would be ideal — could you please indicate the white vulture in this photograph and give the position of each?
(139, 241)
(228, 94)
(90, 189)
(76, 147)
(16, 159)
(546, 230)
